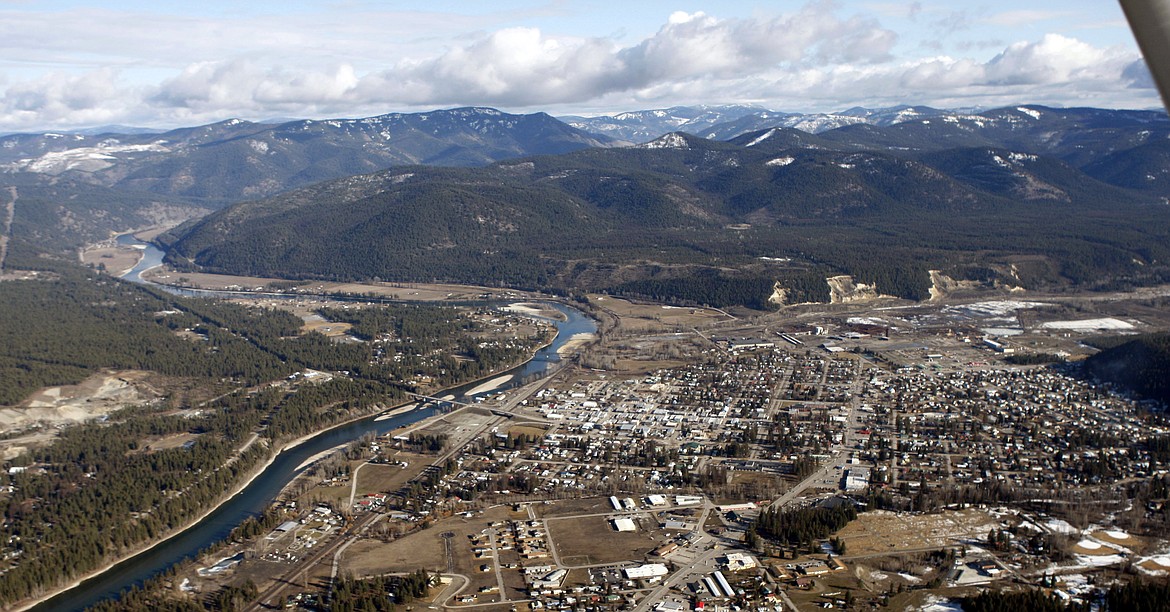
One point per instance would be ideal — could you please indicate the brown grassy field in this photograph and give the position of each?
(889, 532)
(332, 329)
(591, 539)
(116, 260)
(526, 430)
(647, 317)
(572, 507)
(425, 548)
(422, 292)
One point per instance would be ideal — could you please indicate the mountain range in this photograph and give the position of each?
(236, 160)
(1020, 196)
(768, 215)
(725, 122)
(233, 160)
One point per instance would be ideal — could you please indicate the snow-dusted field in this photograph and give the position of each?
(992, 309)
(1088, 325)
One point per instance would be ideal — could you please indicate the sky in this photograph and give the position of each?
(164, 63)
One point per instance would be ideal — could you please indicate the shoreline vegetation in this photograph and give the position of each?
(248, 480)
(235, 490)
(489, 382)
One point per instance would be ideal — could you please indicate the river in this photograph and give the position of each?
(263, 490)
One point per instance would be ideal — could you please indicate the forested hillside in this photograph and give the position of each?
(61, 214)
(696, 221)
(1141, 364)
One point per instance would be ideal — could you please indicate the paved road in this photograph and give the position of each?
(701, 564)
(496, 565)
(840, 452)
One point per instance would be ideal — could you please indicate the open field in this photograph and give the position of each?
(422, 292)
(888, 532)
(383, 477)
(116, 260)
(590, 540)
(332, 329)
(168, 442)
(645, 317)
(573, 507)
(370, 557)
(526, 430)
(425, 548)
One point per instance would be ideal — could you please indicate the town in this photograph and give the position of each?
(829, 461)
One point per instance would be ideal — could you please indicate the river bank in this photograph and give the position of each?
(147, 547)
(115, 259)
(576, 341)
(197, 534)
(262, 483)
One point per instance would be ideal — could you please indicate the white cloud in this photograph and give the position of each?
(817, 58)
(1056, 59)
(524, 67)
(89, 98)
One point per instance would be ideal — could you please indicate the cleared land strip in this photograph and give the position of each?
(9, 215)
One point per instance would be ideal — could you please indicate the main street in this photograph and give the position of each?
(830, 472)
(702, 564)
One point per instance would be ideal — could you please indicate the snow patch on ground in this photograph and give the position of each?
(935, 604)
(1029, 112)
(1061, 526)
(1099, 560)
(864, 321)
(669, 141)
(82, 158)
(995, 308)
(780, 161)
(761, 138)
(1107, 323)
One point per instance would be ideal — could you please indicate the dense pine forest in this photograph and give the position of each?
(801, 527)
(1141, 364)
(1136, 596)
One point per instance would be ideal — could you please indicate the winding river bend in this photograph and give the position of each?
(261, 491)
